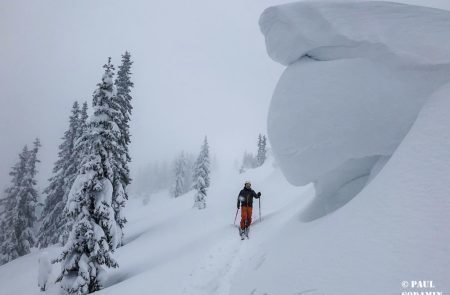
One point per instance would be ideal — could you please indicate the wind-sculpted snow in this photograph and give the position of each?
(358, 74)
(367, 29)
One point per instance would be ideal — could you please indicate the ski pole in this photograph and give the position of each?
(234, 223)
(259, 200)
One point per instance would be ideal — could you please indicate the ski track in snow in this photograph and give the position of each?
(215, 272)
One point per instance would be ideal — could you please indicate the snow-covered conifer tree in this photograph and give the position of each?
(201, 176)
(80, 146)
(83, 119)
(264, 149)
(9, 239)
(55, 226)
(17, 223)
(124, 85)
(261, 155)
(95, 233)
(122, 178)
(180, 176)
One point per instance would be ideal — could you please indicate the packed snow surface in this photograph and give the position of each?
(44, 271)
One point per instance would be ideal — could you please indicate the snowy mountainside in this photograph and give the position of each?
(172, 248)
(395, 230)
(362, 112)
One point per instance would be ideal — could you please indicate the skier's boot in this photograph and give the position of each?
(241, 233)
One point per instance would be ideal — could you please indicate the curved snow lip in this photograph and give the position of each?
(327, 31)
(358, 75)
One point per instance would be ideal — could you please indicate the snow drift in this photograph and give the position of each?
(358, 74)
(346, 30)
(361, 110)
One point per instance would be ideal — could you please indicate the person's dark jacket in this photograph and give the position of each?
(245, 197)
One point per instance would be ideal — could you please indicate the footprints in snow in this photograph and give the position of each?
(216, 271)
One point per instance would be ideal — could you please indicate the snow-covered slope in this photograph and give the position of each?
(172, 248)
(397, 229)
(361, 110)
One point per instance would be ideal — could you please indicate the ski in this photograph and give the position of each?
(241, 234)
(244, 233)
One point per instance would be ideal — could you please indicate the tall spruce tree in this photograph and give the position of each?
(124, 85)
(55, 226)
(9, 249)
(83, 119)
(264, 149)
(80, 146)
(123, 98)
(201, 177)
(19, 217)
(261, 155)
(95, 233)
(180, 176)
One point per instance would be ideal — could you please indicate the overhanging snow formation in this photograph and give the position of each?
(342, 30)
(357, 76)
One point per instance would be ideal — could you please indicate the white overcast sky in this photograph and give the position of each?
(200, 68)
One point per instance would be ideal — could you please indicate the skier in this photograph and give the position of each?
(245, 202)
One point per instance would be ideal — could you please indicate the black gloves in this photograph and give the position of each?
(259, 194)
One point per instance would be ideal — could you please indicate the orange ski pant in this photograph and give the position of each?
(246, 216)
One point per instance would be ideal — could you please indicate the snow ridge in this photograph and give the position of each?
(372, 29)
(378, 72)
